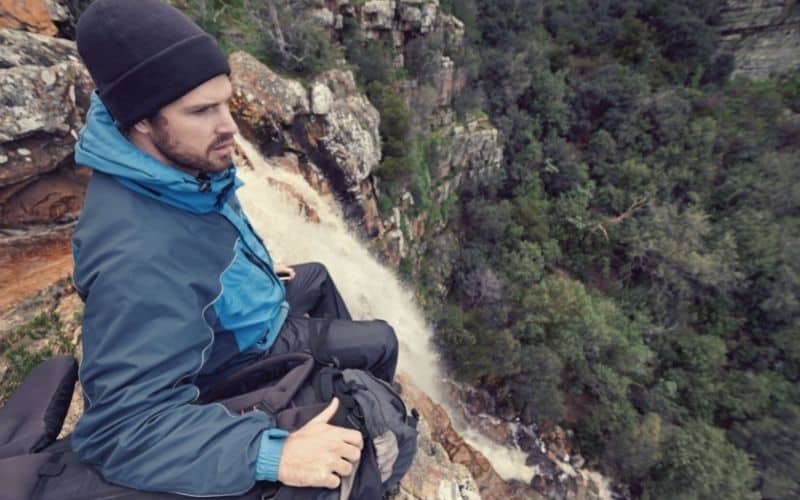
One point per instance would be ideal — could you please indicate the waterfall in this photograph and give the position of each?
(370, 288)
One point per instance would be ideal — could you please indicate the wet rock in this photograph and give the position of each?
(491, 485)
(303, 208)
(433, 475)
(371, 219)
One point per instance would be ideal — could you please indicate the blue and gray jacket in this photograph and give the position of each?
(179, 291)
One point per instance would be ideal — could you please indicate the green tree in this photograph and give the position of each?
(699, 463)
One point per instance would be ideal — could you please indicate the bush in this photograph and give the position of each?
(299, 47)
(699, 463)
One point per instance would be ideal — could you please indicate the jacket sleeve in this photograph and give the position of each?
(144, 335)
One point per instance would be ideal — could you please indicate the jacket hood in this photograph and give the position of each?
(103, 147)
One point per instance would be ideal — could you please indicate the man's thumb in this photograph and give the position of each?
(327, 414)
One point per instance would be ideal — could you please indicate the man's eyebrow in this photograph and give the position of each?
(207, 104)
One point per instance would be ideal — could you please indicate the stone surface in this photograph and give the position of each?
(19, 48)
(29, 15)
(465, 150)
(474, 147)
(54, 197)
(276, 113)
(490, 484)
(43, 88)
(45, 92)
(321, 99)
(349, 134)
(763, 35)
(263, 94)
(378, 15)
(433, 475)
(303, 208)
(32, 259)
(452, 28)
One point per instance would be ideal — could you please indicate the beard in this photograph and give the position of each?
(191, 161)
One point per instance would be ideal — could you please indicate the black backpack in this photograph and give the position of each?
(292, 388)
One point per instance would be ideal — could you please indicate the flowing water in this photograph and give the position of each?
(370, 288)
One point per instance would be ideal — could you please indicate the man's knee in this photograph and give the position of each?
(387, 335)
(318, 269)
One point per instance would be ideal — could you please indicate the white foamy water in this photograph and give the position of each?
(370, 289)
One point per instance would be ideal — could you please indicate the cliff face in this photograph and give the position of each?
(45, 93)
(763, 35)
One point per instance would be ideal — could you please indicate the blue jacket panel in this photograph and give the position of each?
(178, 289)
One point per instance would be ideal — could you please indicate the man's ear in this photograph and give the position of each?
(143, 126)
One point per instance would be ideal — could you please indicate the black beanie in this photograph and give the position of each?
(144, 54)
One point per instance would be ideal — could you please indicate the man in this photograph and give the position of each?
(179, 290)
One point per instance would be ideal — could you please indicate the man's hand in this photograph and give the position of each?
(284, 271)
(319, 454)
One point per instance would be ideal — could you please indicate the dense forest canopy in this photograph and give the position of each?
(632, 272)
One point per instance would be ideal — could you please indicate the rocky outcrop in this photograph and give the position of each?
(434, 473)
(330, 122)
(264, 103)
(45, 91)
(347, 132)
(491, 485)
(37, 16)
(464, 151)
(474, 149)
(31, 259)
(399, 15)
(763, 35)
(559, 472)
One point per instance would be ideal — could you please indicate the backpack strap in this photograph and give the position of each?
(329, 383)
(269, 384)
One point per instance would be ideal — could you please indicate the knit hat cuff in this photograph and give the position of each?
(140, 92)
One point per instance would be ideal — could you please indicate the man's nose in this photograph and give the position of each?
(227, 125)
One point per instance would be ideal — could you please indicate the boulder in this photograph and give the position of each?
(264, 96)
(45, 91)
(378, 15)
(336, 126)
(348, 135)
(36, 16)
(321, 99)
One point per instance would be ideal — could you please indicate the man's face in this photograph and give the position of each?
(195, 133)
